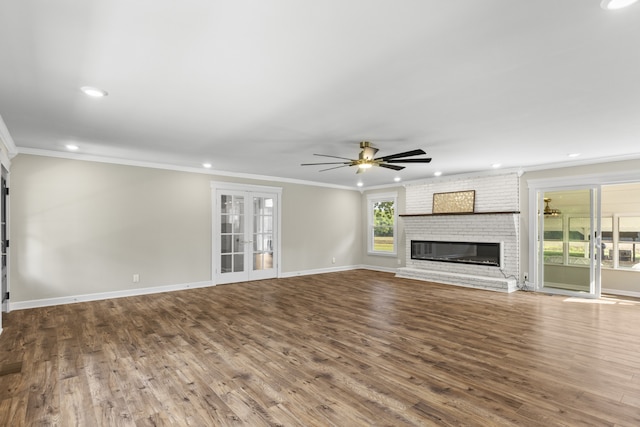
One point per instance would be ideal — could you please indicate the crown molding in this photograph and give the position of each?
(164, 166)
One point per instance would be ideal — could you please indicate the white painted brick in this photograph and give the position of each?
(499, 193)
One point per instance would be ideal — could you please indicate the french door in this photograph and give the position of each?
(569, 241)
(245, 233)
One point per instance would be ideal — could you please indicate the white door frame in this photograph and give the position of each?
(248, 190)
(536, 253)
(567, 182)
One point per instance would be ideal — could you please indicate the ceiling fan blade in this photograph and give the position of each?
(405, 154)
(394, 167)
(335, 157)
(337, 167)
(428, 160)
(329, 163)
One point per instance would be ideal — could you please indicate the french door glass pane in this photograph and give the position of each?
(226, 264)
(262, 233)
(231, 233)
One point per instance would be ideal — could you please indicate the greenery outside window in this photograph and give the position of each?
(382, 221)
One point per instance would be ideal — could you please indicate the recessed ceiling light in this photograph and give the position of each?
(397, 179)
(93, 91)
(359, 184)
(616, 4)
(207, 165)
(496, 165)
(438, 173)
(72, 147)
(572, 155)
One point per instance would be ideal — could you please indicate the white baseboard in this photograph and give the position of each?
(46, 302)
(337, 269)
(632, 294)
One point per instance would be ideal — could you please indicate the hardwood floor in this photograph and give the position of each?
(345, 349)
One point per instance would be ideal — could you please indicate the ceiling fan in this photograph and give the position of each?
(366, 159)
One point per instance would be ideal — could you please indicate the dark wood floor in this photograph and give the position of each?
(344, 349)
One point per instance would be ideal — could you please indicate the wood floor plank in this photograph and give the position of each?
(353, 348)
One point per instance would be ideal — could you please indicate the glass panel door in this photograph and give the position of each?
(569, 248)
(244, 236)
(263, 236)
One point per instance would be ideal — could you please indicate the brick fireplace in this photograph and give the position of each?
(495, 221)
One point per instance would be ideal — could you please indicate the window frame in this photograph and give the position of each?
(371, 200)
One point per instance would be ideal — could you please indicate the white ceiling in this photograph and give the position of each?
(259, 86)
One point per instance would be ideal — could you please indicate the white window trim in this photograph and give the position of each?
(382, 197)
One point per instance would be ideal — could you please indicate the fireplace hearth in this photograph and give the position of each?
(481, 253)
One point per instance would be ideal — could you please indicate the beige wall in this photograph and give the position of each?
(81, 227)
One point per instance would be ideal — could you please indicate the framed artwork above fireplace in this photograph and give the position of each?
(454, 202)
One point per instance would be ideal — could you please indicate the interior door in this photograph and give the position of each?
(569, 240)
(245, 236)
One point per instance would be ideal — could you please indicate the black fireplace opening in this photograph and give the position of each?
(487, 254)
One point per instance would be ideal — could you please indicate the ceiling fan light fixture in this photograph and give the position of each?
(616, 4)
(364, 165)
(549, 211)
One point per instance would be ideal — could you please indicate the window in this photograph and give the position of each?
(382, 220)
(620, 242)
(553, 240)
(628, 241)
(579, 240)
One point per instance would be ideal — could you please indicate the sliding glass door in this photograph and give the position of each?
(569, 241)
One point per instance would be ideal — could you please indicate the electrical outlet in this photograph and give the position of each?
(333, 260)
(136, 278)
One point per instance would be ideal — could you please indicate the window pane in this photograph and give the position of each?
(383, 240)
(553, 228)
(383, 222)
(607, 241)
(225, 264)
(238, 263)
(579, 253)
(226, 242)
(553, 252)
(579, 229)
(629, 241)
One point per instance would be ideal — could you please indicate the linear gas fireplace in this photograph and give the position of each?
(486, 254)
